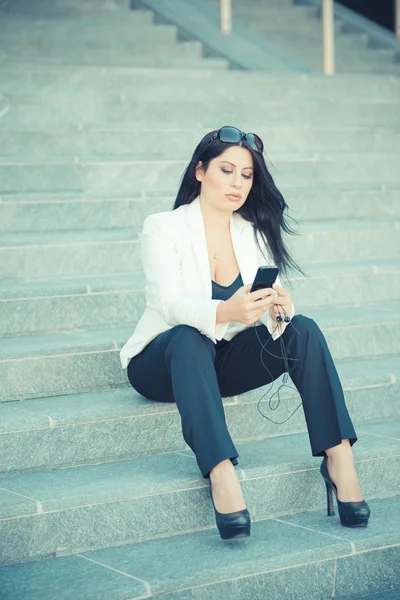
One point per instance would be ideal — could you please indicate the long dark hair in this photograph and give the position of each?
(264, 206)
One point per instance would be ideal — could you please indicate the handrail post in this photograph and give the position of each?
(226, 16)
(397, 18)
(328, 37)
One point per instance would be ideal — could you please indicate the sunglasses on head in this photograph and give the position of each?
(232, 135)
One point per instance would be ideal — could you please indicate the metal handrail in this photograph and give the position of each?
(328, 37)
(226, 16)
(328, 30)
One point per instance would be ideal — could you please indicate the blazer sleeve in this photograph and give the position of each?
(164, 286)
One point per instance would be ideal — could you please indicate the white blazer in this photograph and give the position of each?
(178, 279)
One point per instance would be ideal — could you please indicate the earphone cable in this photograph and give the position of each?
(286, 359)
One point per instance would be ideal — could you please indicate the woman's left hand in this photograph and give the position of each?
(284, 300)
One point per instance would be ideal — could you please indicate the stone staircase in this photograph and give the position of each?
(295, 25)
(99, 495)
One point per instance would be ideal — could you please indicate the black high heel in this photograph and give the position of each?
(232, 525)
(352, 514)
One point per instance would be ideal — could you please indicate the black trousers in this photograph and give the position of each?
(184, 366)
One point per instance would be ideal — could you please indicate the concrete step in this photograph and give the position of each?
(30, 213)
(11, 7)
(351, 56)
(254, 4)
(34, 256)
(369, 55)
(120, 423)
(350, 41)
(290, 27)
(306, 554)
(88, 33)
(106, 56)
(85, 23)
(351, 283)
(65, 254)
(170, 84)
(348, 59)
(309, 556)
(57, 15)
(59, 47)
(114, 252)
(57, 510)
(103, 175)
(392, 594)
(89, 302)
(171, 59)
(271, 17)
(20, 112)
(306, 37)
(179, 143)
(388, 68)
(346, 51)
(52, 54)
(76, 361)
(271, 9)
(356, 61)
(74, 304)
(338, 190)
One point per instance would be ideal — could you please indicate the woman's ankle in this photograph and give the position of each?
(226, 488)
(340, 453)
(340, 463)
(221, 469)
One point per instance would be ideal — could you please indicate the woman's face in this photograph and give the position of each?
(228, 179)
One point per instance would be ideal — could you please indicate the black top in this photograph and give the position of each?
(224, 292)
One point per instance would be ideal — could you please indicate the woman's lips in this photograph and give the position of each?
(234, 197)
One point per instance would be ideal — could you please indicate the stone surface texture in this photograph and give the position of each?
(100, 496)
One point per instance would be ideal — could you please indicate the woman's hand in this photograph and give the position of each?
(246, 307)
(283, 300)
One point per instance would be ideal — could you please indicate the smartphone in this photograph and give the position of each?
(264, 278)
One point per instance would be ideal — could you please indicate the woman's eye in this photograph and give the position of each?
(230, 173)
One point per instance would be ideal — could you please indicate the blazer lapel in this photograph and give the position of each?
(199, 244)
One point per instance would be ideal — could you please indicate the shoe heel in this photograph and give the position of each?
(352, 514)
(329, 500)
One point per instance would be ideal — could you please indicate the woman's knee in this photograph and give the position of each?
(190, 339)
(305, 325)
(186, 332)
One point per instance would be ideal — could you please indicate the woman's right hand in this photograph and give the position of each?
(245, 306)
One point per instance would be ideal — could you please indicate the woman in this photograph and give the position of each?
(199, 337)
